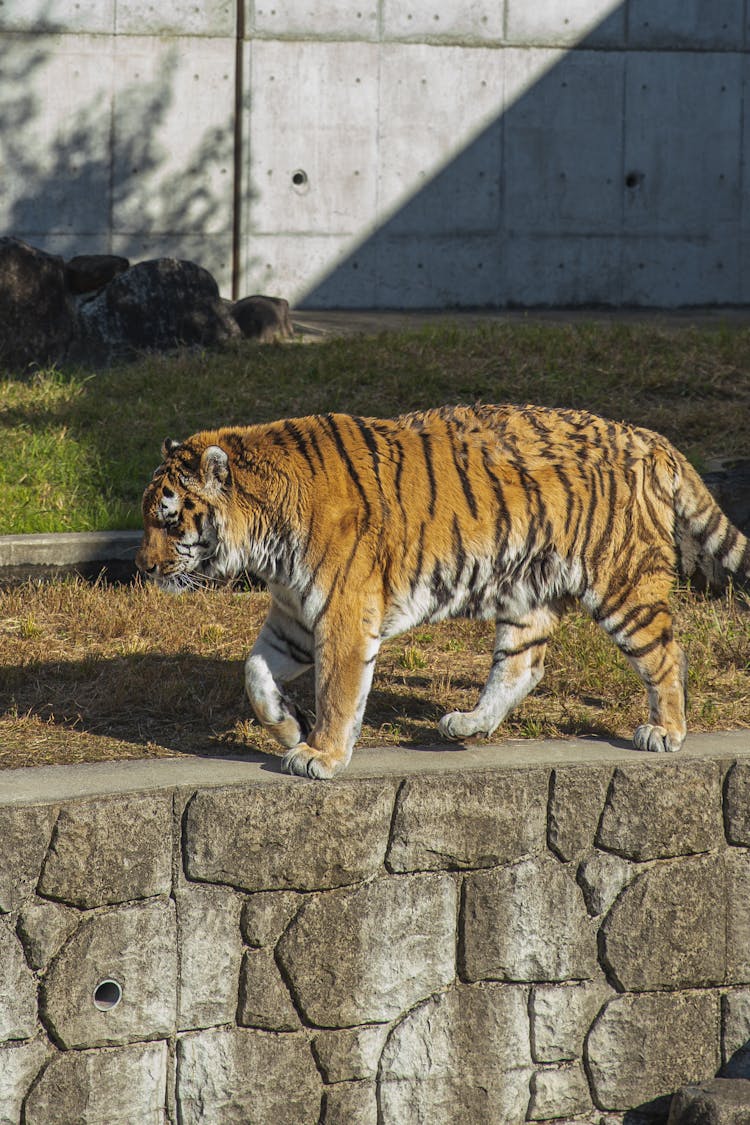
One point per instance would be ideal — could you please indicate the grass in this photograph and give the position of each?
(104, 672)
(79, 447)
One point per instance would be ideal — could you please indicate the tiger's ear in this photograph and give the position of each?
(214, 467)
(169, 446)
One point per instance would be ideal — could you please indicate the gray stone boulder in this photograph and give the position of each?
(723, 1101)
(157, 305)
(86, 273)
(37, 311)
(265, 319)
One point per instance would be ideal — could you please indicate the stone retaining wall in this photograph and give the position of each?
(520, 944)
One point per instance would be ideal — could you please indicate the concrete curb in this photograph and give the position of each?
(68, 548)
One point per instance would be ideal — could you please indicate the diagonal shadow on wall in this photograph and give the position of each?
(615, 178)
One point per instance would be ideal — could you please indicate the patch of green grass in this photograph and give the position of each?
(79, 446)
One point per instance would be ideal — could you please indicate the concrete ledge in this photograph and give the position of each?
(34, 785)
(68, 548)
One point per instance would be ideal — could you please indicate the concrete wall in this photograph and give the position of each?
(500, 944)
(389, 153)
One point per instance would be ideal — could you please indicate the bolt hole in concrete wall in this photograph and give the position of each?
(300, 181)
(107, 995)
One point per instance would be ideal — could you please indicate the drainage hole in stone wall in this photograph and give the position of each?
(300, 181)
(107, 995)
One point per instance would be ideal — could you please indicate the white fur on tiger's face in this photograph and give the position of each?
(365, 527)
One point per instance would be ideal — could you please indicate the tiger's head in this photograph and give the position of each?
(182, 516)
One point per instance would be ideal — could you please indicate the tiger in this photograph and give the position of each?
(362, 528)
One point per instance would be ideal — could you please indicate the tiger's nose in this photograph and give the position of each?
(143, 565)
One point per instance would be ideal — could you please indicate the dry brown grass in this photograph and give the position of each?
(91, 673)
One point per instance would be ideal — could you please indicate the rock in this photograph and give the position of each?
(156, 305)
(264, 998)
(43, 927)
(577, 796)
(723, 1101)
(88, 272)
(114, 1087)
(460, 1056)
(210, 956)
(351, 1054)
(601, 877)
(267, 914)
(561, 1015)
(17, 990)
(265, 319)
(527, 922)
(37, 313)
(655, 812)
(25, 832)
(236, 1076)
(558, 1093)
(136, 946)
(738, 804)
(289, 836)
(668, 929)
(352, 1103)
(19, 1065)
(738, 916)
(735, 1033)
(645, 1046)
(475, 820)
(366, 955)
(112, 849)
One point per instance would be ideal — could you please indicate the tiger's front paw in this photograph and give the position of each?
(458, 725)
(657, 740)
(307, 762)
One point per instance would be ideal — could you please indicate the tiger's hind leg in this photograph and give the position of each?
(282, 652)
(642, 629)
(517, 667)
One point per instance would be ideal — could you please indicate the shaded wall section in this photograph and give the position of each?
(394, 153)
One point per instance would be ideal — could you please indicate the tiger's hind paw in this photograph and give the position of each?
(304, 761)
(657, 740)
(461, 724)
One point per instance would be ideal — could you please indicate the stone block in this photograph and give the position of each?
(670, 810)
(440, 143)
(17, 989)
(601, 877)
(312, 19)
(113, 849)
(25, 831)
(267, 914)
(238, 1075)
(561, 1015)
(351, 1103)
(351, 1054)
(689, 175)
(111, 1087)
(735, 1033)
(43, 927)
(477, 820)
(214, 18)
(527, 922)
(668, 928)
(723, 1101)
(135, 946)
(264, 998)
(322, 97)
(19, 1066)
(645, 1046)
(210, 954)
(559, 1092)
(480, 21)
(460, 1056)
(685, 23)
(94, 16)
(738, 916)
(737, 804)
(599, 23)
(289, 836)
(368, 954)
(577, 796)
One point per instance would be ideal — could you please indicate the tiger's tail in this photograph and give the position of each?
(711, 548)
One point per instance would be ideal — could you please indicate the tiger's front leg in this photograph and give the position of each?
(283, 651)
(346, 646)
